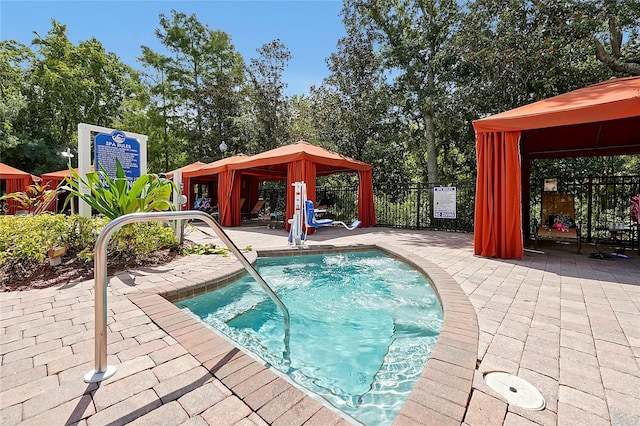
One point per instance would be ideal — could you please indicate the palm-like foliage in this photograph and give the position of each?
(115, 197)
(36, 199)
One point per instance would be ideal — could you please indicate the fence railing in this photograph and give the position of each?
(397, 206)
(412, 207)
(599, 201)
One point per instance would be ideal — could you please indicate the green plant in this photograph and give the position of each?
(25, 240)
(36, 199)
(204, 249)
(138, 242)
(208, 249)
(116, 197)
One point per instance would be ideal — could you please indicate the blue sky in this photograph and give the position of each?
(309, 29)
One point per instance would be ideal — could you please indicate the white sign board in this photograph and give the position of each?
(444, 202)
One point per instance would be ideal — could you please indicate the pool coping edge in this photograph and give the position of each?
(440, 396)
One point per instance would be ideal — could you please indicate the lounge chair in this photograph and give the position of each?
(255, 211)
(311, 221)
(557, 214)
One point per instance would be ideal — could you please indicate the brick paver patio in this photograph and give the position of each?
(567, 323)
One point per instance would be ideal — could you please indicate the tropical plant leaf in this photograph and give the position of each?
(116, 197)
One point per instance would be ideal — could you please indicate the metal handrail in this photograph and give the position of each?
(103, 371)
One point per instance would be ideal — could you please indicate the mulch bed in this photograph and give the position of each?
(71, 270)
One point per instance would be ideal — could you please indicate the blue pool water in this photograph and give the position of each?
(362, 326)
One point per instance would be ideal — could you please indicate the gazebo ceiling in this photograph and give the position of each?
(601, 119)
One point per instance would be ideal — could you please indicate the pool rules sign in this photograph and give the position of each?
(116, 145)
(444, 202)
(104, 147)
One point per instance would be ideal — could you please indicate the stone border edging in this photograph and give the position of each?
(441, 394)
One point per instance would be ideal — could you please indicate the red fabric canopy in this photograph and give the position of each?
(224, 181)
(15, 181)
(54, 178)
(300, 161)
(188, 168)
(602, 119)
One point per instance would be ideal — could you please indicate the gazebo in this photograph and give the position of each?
(210, 175)
(598, 120)
(14, 180)
(53, 179)
(238, 177)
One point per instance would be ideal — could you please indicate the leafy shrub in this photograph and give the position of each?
(25, 240)
(116, 197)
(138, 242)
(204, 249)
(36, 199)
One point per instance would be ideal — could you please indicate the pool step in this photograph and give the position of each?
(408, 342)
(239, 307)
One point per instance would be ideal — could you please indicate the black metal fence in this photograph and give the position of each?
(412, 206)
(599, 201)
(405, 206)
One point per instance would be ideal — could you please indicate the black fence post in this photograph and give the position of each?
(589, 208)
(418, 207)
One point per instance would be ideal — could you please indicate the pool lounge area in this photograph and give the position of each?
(565, 322)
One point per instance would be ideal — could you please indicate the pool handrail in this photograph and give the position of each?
(103, 371)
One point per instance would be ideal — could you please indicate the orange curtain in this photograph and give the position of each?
(226, 183)
(234, 199)
(16, 185)
(498, 212)
(366, 207)
(297, 171)
(54, 183)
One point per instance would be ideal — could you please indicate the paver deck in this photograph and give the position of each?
(567, 323)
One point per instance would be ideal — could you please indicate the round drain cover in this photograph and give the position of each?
(515, 390)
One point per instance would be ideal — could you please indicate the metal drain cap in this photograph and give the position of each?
(515, 390)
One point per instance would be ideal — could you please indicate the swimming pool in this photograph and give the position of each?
(362, 326)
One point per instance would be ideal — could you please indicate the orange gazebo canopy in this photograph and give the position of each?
(597, 120)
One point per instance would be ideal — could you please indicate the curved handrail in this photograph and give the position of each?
(103, 371)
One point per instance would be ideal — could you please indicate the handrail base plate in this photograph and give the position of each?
(94, 376)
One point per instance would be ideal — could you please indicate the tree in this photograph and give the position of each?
(77, 83)
(303, 125)
(268, 102)
(64, 85)
(415, 35)
(354, 109)
(611, 28)
(517, 52)
(13, 59)
(158, 118)
(195, 88)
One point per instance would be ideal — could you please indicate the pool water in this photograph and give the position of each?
(362, 326)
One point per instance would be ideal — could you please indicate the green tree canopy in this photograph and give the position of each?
(195, 87)
(63, 84)
(268, 102)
